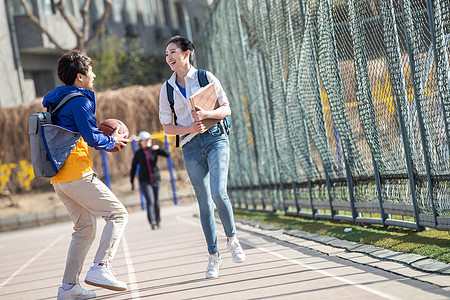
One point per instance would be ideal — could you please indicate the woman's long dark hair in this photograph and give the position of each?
(184, 44)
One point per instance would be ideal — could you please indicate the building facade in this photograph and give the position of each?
(29, 57)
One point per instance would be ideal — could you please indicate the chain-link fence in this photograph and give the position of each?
(340, 108)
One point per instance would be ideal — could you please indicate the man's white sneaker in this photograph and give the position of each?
(212, 271)
(237, 253)
(75, 293)
(104, 277)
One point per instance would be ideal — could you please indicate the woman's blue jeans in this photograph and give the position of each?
(206, 158)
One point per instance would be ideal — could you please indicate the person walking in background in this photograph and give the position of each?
(149, 176)
(205, 152)
(78, 187)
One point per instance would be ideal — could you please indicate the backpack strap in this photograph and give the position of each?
(61, 103)
(172, 103)
(225, 124)
(202, 79)
(171, 100)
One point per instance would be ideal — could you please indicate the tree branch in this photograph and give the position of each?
(38, 24)
(98, 28)
(85, 16)
(61, 5)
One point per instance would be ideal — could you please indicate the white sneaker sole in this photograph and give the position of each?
(105, 286)
(238, 261)
(212, 276)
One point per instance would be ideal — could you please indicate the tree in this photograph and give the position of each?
(119, 62)
(82, 35)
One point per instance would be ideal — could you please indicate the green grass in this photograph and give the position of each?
(431, 243)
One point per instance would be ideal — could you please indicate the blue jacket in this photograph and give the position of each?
(78, 115)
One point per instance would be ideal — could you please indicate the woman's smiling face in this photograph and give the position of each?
(175, 57)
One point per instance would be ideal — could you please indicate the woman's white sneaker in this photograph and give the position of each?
(104, 277)
(237, 253)
(214, 264)
(76, 292)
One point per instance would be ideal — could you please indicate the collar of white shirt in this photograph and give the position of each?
(191, 74)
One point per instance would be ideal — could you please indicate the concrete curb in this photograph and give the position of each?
(60, 215)
(48, 217)
(33, 220)
(413, 261)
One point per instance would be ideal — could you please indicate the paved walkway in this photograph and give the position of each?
(169, 264)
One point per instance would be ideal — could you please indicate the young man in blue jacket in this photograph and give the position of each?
(84, 195)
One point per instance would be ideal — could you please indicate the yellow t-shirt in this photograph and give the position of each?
(78, 163)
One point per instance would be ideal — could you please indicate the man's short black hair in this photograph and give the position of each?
(72, 63)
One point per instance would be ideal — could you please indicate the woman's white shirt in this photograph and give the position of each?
(181, 104)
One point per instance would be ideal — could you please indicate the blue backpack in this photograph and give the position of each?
(225, 124)
(50, 144)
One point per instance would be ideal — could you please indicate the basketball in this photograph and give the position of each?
(108, 126)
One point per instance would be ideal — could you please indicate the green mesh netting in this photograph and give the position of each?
(324, 93)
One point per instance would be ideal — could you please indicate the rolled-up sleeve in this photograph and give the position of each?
(221, 95)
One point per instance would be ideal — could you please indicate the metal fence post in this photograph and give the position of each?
(409, 166)
(433, 41)
(350, 186)
(260, 188)
(314, 211)
(242, 196)
(255, 150)
(271, 113)
(420, 117)
(330, 198)
(252, 193)
(294, 187)
(237, 194)
(269, 192)
(302, 14)
(378, 183)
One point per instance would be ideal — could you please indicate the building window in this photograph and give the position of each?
(159, 12)
(18, 9)
(148, 11)
(69, 8)
(98, 9)
(131, 12)
(116, 11)
(173, 16)
(43, 82)
(46, 7)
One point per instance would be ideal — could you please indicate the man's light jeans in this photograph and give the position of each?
(85, 199)
(206, 158)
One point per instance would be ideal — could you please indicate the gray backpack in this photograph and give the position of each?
(50, 144)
